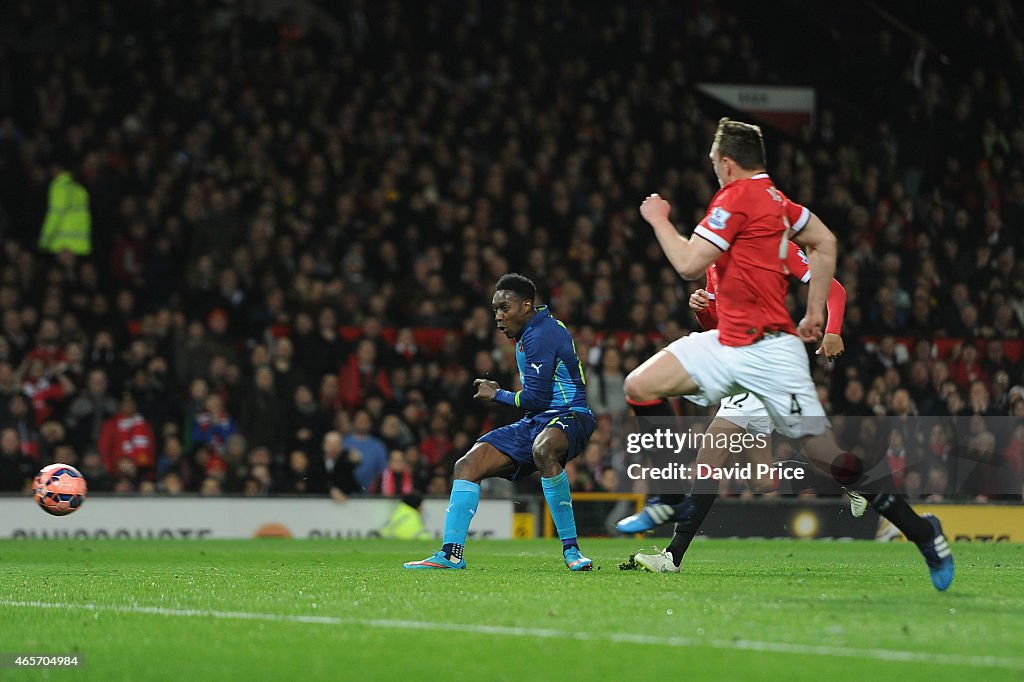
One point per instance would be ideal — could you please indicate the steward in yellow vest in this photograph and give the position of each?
(68, 224)
(405, 522)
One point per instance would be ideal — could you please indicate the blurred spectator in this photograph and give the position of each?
(337, 468)
(193, 354)
(361, 375)
(198, 392)
(16, 470)
(967, 368)
(90, 409)
(211, 487)
(127, 435)
(9, 387)
(173, 460)
(171, 484)
(156, 395)
(48, 347)
(47, 391)
(22, 421)
(979, 401)
(263, 418)
(305, 421)
(396, 479)
(52, 442)
(372, 451)
(299, 477)
(95, 472)
(325, 350)
(438, 445)
(129, 256)
(213, 425)
(853, 403)
(396, 433)
(287, 377)
(604, 385)
(418, 467)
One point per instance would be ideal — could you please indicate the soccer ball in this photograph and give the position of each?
(60, 489)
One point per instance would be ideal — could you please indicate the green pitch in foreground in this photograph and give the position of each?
(346, 610)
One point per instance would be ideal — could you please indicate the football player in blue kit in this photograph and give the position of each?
(555, 429)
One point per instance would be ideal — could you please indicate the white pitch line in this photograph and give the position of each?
(547, 633)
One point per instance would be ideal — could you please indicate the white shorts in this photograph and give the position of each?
(775, 369)
(746, 411)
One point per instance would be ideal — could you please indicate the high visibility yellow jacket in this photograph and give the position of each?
(405, 524)
(68, 224)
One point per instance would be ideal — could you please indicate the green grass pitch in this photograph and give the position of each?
(346, 610)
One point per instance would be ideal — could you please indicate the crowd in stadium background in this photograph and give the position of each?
(295, 232)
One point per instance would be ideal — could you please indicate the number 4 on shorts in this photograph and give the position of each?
(794, 405)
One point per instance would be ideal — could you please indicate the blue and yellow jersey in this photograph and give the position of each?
(549, 369)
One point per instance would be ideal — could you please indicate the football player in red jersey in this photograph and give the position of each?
(744, 412)
(756, 348)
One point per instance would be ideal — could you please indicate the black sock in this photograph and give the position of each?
(686, 530)
(657, 408)
(900, 514)
(453, 551)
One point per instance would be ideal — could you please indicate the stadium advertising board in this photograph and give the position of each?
(786, 108)
(221, 518)
(979, 523)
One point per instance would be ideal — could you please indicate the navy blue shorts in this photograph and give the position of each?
(516, 439)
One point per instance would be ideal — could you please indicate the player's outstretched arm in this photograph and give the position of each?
(832, 345)
(820, 245)
(689, 257)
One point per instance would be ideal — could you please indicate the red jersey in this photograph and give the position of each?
(796, 264)
(130, 437)
(750, 221)
(43, 394)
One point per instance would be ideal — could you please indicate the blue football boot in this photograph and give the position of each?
(437, 561)
(938, 556)
(575, 561)
(655, 514)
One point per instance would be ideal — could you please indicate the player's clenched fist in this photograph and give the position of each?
(485, 389)
(699, 300)
(809, 328)
(655, 209)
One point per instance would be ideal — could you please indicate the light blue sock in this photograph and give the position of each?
(556, 492)
(461, 508)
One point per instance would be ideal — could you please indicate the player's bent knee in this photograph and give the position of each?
(463, 469)
(547, 459)
(661, 376)
(636, 389)
(473, 468)
(543, 455)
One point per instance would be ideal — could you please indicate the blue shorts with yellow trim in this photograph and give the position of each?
(516, 439)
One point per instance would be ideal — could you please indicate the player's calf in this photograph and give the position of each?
(846, 468)
(549, 451)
